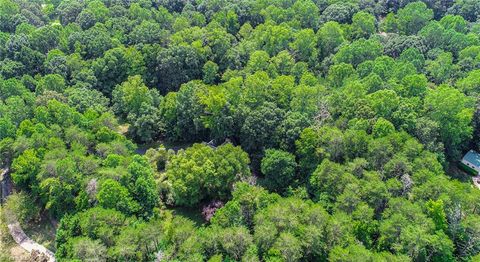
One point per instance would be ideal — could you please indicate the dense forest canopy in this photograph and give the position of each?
(303, 130)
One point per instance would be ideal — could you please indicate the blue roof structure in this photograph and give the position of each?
(473, 158)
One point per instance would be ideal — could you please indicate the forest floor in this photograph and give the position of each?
(455, 172)
(10, 251)
(192, 213)
(42, 232)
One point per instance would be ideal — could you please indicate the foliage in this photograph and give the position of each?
(202, 172)
(329, 129)
(279, 168)
(19, 207)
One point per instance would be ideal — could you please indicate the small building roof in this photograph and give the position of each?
(473, 158)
